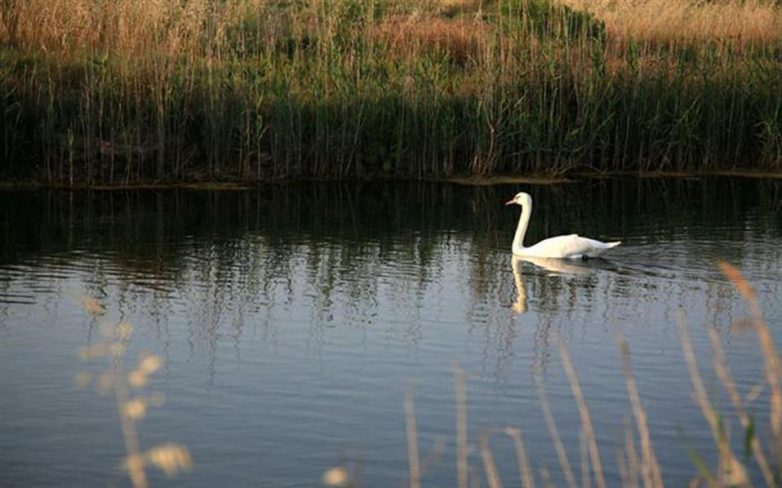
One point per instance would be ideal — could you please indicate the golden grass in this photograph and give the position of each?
(144, 27)
(121, 27)
(752, 21)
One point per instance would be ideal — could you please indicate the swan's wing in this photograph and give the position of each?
(556, 247)
(577, 247)
(570, 246)
(598, 247)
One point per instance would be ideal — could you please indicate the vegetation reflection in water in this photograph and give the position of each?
(336, 257)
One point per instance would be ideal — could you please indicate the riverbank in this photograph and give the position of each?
(121, 94)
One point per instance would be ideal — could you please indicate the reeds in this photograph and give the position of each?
(117, 92)
(635, 470)
(648, 468)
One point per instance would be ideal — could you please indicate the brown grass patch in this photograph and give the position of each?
(753, 21)
(411, 36)
(121, 26)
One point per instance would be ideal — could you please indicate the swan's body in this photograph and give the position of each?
(571, 246)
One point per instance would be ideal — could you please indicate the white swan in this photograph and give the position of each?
(563, 247)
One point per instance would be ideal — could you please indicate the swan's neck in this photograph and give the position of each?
(518, 239)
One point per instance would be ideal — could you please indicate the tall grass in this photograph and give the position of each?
(97, 92)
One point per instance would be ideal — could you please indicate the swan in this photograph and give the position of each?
(563, 247)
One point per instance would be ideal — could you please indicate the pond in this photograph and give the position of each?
(293, 320)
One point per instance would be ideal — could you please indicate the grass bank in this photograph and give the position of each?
(94, 92)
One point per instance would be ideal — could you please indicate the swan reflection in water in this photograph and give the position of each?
(553, 266)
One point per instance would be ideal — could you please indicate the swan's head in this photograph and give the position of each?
(521, 198)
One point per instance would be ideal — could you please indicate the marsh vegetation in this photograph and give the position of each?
(98, 92)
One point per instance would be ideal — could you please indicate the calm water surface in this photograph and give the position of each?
(293, 319)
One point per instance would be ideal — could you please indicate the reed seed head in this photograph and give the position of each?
(171, 458)
(337, 477)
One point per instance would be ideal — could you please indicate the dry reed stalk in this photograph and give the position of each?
(527, 478)
(650, 469)
(586, 418)
(624, 472)
(695, 482)
(632, 457)
(434, 455)
(731, 470)
(770, 357)
(583, 451)
(462, 465)
(134, 459)
(554, 433)
(489, 466)
(546, 477)
(412, 442)
(723, 373)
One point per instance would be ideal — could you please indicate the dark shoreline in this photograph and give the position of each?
(32, 185)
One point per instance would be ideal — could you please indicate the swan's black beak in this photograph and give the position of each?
(510, 202)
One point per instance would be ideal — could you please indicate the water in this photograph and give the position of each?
(292, 321)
